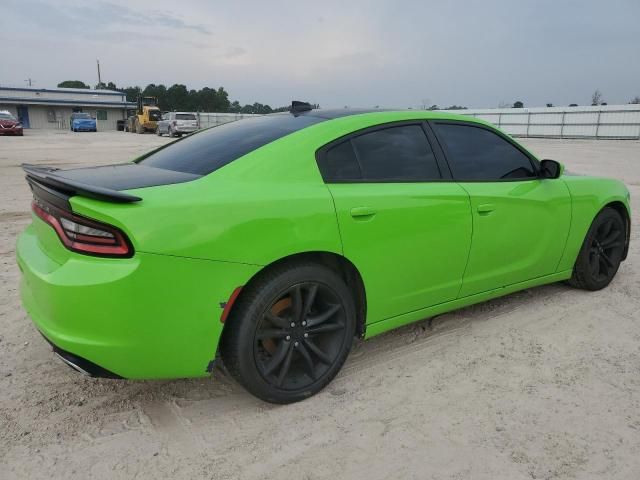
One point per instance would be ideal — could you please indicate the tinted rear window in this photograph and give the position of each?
(185, 116)
(396, 153)
(341, 163)
(208, 150)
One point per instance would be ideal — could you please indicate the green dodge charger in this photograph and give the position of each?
(271, 243)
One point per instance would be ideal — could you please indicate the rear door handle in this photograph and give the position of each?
(485, 208)
(359, 212)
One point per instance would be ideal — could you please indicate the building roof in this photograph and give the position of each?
(64, 96)
(86, 91)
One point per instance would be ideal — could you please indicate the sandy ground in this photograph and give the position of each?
(544, 383)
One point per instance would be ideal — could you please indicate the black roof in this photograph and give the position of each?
(331, 113)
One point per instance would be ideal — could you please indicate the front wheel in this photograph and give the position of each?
(601, 252)
(290, 332)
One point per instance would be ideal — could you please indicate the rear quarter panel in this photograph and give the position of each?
(264, 206)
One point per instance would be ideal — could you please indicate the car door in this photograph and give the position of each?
(406, 228)
(520, 221)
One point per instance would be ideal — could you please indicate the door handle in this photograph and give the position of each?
(485, 208)
(359, 212)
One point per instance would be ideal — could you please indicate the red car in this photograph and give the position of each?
(9, 125)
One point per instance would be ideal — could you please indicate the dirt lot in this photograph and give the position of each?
(544, 383)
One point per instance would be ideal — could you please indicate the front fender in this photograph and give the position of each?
(589, 195)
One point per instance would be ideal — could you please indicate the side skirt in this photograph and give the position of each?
(382, 326)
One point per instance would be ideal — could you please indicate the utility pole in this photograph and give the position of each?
(99, 79)
(29, 81)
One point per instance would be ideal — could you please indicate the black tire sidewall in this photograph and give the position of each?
(582, 271)
(245, 318)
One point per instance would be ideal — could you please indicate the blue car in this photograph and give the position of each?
(83, 122)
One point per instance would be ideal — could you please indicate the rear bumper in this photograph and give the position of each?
(149, 316)
(180, 129)
(81, 365)
(11, 131)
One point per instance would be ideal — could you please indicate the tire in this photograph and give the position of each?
(290, 332)
(601, 252)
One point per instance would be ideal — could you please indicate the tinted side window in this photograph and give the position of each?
(203, 152)
(479, 154)
(396, 153)
(340, 163)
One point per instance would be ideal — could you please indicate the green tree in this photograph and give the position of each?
(159, 92)
(73, 84)
(518, 104)
(177, 97)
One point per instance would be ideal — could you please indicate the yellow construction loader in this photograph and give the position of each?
(146, 117)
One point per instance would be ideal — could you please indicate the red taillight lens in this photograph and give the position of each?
(83, 235)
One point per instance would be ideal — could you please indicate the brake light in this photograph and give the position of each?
(84, 235)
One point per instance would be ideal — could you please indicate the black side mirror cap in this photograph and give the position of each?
(550, 169)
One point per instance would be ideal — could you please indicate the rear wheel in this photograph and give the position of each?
(290, 333)
(601, 252)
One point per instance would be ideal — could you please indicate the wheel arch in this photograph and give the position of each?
(621, 208)
(339, 264)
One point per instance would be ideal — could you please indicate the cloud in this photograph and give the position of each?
(335, 52)
(91, 19)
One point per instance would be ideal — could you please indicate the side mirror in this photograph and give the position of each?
(550, 169)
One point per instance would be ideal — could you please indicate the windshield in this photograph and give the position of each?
(80, 115)
(210, 149)
(6, 116)
(185, 116)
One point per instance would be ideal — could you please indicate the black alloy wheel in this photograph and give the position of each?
(602, 251)
(289, 332)
(299, 336)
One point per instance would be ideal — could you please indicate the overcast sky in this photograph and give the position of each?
(335, 53)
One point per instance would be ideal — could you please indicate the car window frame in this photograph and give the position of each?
(535, 163)
(443, 168)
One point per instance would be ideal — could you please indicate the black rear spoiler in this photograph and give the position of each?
(48, 177)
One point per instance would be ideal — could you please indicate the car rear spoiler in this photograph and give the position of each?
(48, 177)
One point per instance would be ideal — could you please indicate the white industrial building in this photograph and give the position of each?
(50, 108)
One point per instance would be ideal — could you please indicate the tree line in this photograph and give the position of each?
(178, 97)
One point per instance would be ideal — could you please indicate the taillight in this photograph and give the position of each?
(84, 235)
